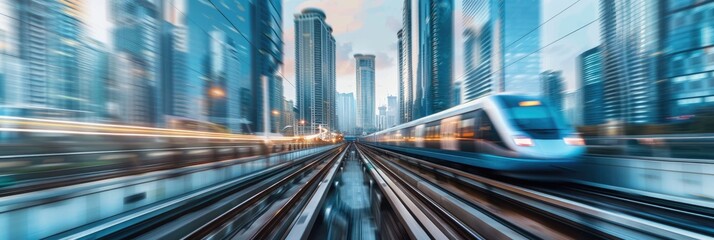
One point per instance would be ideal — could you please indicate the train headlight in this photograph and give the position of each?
(574, 140)
(523, 141)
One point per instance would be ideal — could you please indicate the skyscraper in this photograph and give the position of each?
(174, 64)
(315, 69)
(688, 59)
(552, 83)
(267, 54)
(406, 97)
(630, 43)
(364, 73)
(426, 57)
(392, 111)
(590, 77)
(346, 113)
(136, 95)
(456, 94)
(66, 43)
(500, 48)
(288, 118)
(381, 118)
(34, 30)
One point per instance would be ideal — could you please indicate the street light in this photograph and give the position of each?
(276, 112)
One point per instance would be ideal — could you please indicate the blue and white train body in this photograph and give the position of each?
(505, 132)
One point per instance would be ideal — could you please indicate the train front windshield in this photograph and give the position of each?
(532, 116)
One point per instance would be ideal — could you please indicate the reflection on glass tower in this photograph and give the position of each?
(500, 48)
(689, 59)
(425, 57)
(314, 69)
(136, 34)
(365, 91)
(267, 56)
(630, 40)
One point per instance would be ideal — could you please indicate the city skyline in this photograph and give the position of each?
(354, 30)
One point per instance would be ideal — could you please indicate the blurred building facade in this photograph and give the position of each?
(289, 121)
(687, 59)
(364, 74)
(267, 55)
(630, 36)
(591, 82)
(406, 83)
(501, 50)
(315, 69)
(392, 111)
(381, 118)
(346, 113)
(426, 57)
(456, 93)
(167, 59)
(553, 90)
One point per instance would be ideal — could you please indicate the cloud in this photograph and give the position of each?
(394, 24)
(343, 60)
(343, 16)
(384, 61)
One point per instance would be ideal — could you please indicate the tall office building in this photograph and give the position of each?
(500, 48)
(94, 75)
(66, 57)
(288, 118)
(426, 57)
(406, 97)
(11, 69)
(552, 83)
(381, 118)
(34, 24)
(688, 59)
(136, 95)
(346, 113)
(267, 54)
(275, 94)
(590, 78)
(175, 83)
(223, 81)
(315, 69)
(364, 74)
(630, 44)
(392, 111)
(573, 107)
(456, 98)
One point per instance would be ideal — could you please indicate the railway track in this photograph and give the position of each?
(524, 212)
(220, 210)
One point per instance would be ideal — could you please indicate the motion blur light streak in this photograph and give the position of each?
(419, 119)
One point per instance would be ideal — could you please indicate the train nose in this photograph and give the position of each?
(555, 148)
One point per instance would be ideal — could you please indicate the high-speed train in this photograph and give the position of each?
(505, 132)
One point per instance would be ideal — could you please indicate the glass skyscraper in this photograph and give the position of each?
(267, 60)
(590, 77)
(426, 57)
(688, 59)
(315, 69)
(501, 50)
(630, 45)
(346, 113)
(552, 84)
(364, 74)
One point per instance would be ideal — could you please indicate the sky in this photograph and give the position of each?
(370, 27)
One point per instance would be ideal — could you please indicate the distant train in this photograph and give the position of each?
(505, 132)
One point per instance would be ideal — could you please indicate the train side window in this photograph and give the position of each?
(467, 128)
(487, 131)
